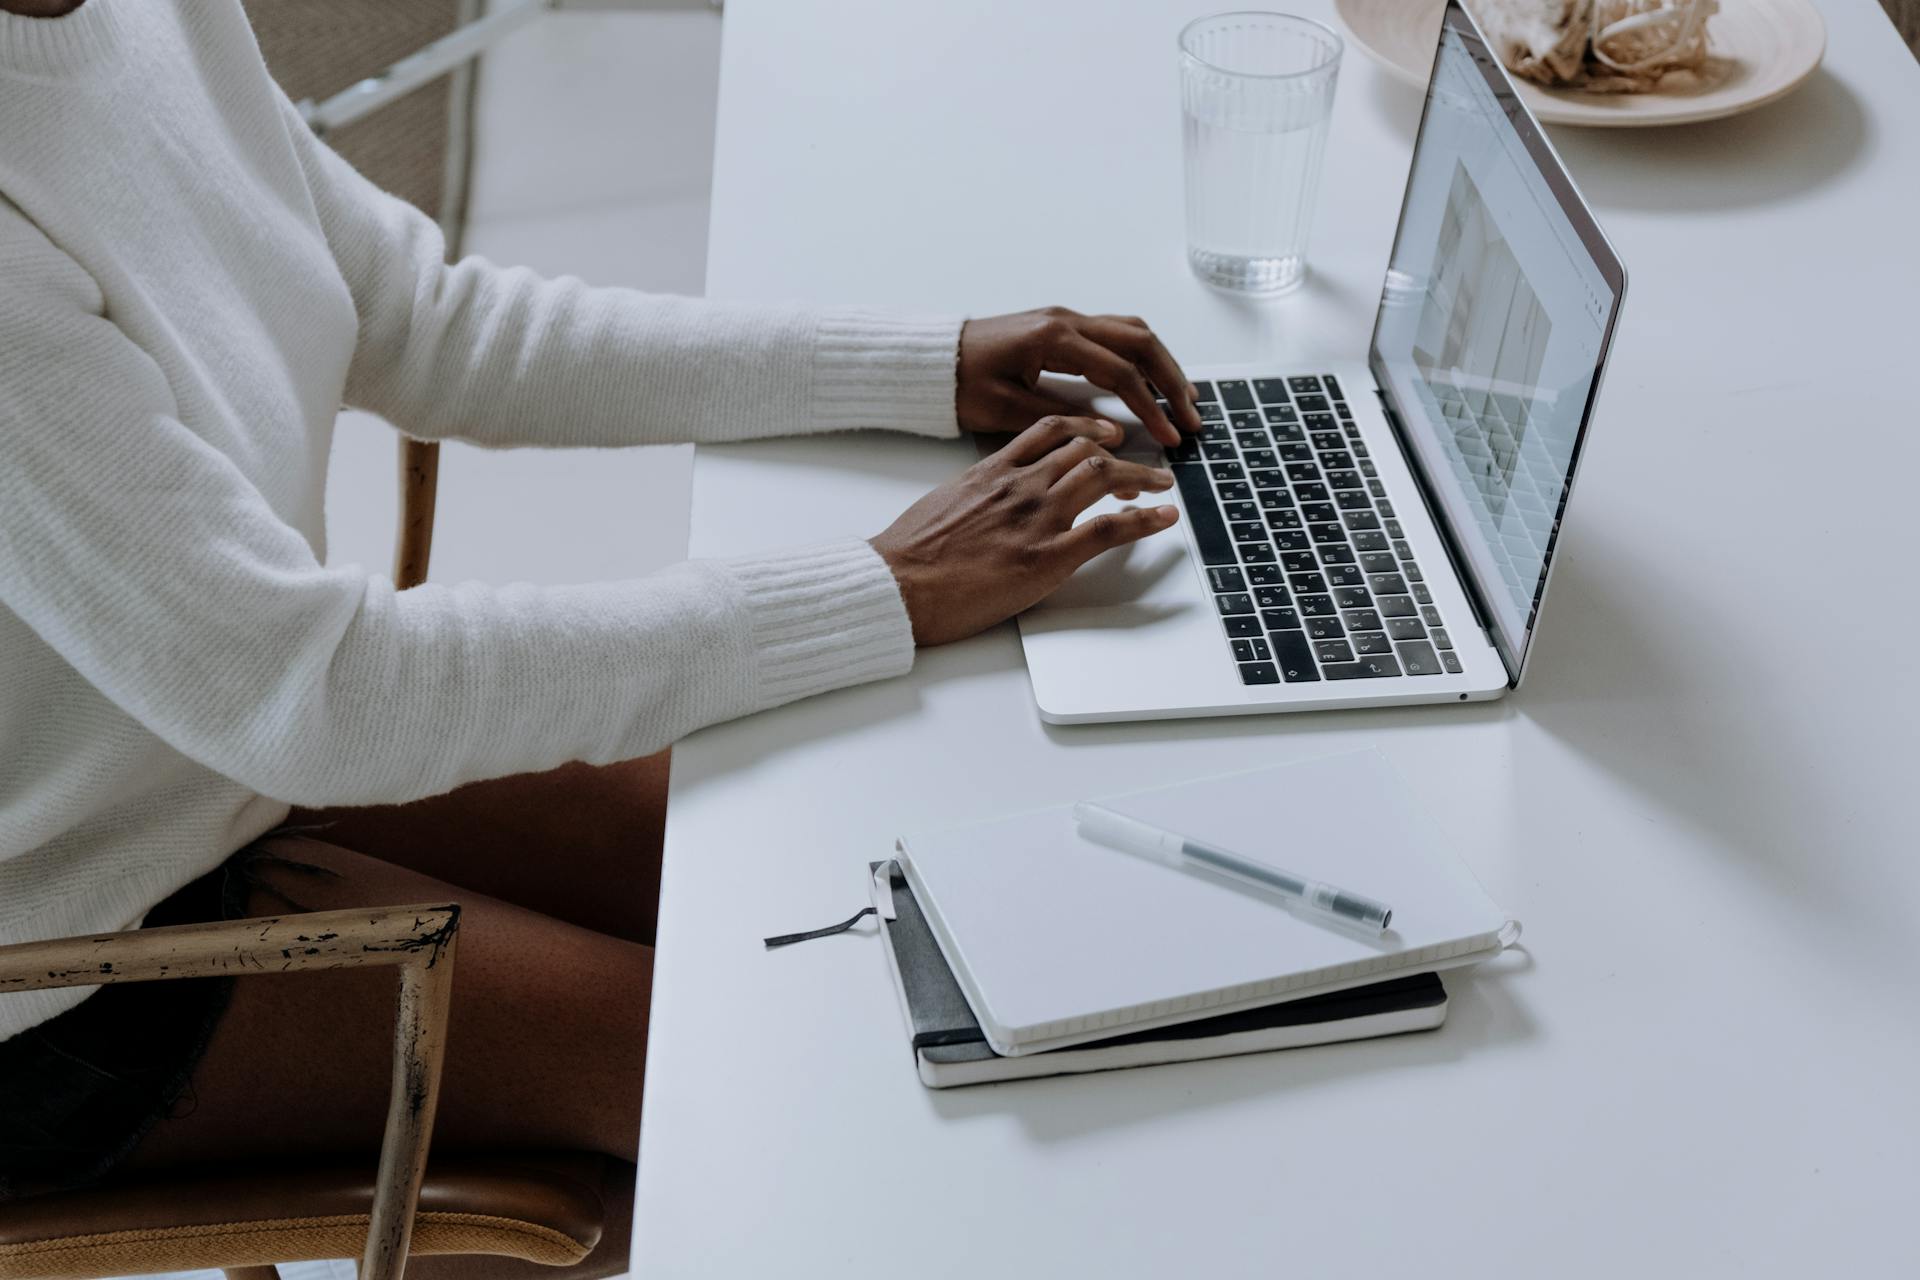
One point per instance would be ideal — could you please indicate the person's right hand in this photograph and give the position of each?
(999, 537)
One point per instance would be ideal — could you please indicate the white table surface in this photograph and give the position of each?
(1700, 805)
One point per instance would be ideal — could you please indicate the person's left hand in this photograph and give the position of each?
(1002, 358)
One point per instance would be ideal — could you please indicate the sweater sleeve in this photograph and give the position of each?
(500, 356)
(153, 566)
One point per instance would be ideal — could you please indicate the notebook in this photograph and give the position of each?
(1057, 941)
(950, 1050)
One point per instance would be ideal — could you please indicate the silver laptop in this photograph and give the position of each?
(1382, 532)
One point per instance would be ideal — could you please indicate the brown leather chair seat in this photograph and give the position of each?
(544, 1209)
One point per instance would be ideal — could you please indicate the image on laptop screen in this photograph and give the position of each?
(1498, 306)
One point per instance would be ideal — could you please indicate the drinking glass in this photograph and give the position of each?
(1256, 91)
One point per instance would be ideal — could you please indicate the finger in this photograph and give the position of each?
(1052, 431)
(1050, 469)
(1024, 407)
(1132, 338)
(1079, 354)
(1112, 529)
(1094, 477)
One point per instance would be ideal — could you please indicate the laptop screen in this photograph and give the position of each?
(1493, 327)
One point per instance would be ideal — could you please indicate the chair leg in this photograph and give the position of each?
(253, 1273)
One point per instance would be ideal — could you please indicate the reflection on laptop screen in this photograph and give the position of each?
(1491, 329)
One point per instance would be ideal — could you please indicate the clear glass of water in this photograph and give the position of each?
(1256, 92)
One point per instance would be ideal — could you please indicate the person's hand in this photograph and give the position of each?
(1000, 536)
(1002, 358)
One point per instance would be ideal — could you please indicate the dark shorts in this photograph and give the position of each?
(82, 1089)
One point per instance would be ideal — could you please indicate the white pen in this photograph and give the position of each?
(1134, 836)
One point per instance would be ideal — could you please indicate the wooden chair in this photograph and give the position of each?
(478, 1218)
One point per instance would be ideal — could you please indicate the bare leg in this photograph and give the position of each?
(546, 1045)
(580, 843)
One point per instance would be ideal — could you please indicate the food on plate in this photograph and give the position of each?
(1605, 46)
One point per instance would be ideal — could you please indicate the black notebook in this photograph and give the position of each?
(950, 1049)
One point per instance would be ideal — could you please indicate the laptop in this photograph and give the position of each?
(1379, 532)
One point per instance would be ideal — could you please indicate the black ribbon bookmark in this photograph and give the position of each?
(786, 938)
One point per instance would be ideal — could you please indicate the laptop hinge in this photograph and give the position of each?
(1481, 614)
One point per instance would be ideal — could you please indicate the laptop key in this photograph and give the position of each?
(1393, 527)
(1390, 584)
(1327, 533)
(1418, 658)
(1316, 512)
(1337, 460)
(1264, 575)
(1236, 394)
(1306, 582)
(1386, 508)
(1270, 390)
(1280, 619)
(1332, 385)
(1206, 392)
(1304, 382)
(1379, 562)
(1358, 520)
(1258, 673)
(1203, 517)
(1344, 480)
(1233, 491)
(1393, 606)
(1370, 540)
(1325, 440)
(1333, 651)
(1412, 571)
(1376, 488)
(1441, 640)
(1345, 575)
(1256, 553)
(1284, 518)
(1212, 412)
(1291, 539)
(1334, 553)
(1361, 620)
(1269, 480)
(1327, 628)
(1246, 421)
(1227, 471)
(1293, 653)
(1311, 404)
(1271, 597)
(1251, 650)
(1403, 548)
(1240, 510)
(1296, 453)
(1243, 625)
(1430, 615)
(1366, 668)
(1405, 629)
(1249, 532)
(1226, 579)
(1421, 594)
(1312, 491)
(1234, 602)
(1353, 598)
(1219, 451)
(1274, 499)
(1370, 642)
(1188, 450)
(1353, 500)
(1259, 459)
(1451, 661)
(1300, 562)
(1287, 432)
(1315, 606)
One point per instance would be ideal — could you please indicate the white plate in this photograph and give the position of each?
(1762, 50)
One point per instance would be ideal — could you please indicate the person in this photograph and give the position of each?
(202, 719)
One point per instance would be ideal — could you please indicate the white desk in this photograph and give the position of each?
(1701, 804)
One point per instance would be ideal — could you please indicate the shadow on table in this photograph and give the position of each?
(1482, 1016)
(1618, 695)
(1803, 140)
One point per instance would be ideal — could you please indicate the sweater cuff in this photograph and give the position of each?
(822, 618)
(872, 369)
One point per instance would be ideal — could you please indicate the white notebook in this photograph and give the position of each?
(1057, 940)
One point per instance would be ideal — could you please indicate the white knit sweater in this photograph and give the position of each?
(190, 287)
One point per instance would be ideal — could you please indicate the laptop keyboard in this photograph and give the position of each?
(1301, 548)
